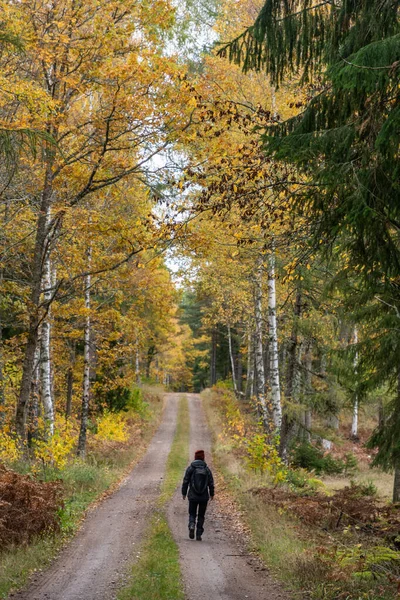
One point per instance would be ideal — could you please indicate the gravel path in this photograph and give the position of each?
(218, 568)
(93, 565)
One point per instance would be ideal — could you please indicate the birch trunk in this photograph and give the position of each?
(232, 359)
(34, 319)
(34, 399)
(273, 345)
(354, 423)
(45, 352)
(258, 346)
(86, 360)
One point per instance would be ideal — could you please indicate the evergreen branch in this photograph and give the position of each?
(391, 67)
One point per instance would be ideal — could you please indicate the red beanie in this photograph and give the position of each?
(199, 455)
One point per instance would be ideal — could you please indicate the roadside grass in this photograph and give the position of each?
(274, 536)
(156, 574)
(85, 482)
(304, 559)
(17, 564)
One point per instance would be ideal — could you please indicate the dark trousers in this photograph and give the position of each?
(197, 509)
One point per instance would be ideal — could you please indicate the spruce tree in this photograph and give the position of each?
(344, 142)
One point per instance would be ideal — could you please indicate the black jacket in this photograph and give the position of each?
(187, 483)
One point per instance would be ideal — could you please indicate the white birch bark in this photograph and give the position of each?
(45, 351)
(273, 344)
(232, 360)
(258, 346)
(354, 423)
(86, 361)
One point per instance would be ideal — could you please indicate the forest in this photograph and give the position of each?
(203, 197)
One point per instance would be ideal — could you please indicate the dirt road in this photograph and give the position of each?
(91, 567)
(218, 568)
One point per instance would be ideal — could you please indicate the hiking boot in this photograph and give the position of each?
(191, 532)
(198, 537)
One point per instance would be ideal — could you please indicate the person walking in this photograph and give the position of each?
(199, 479)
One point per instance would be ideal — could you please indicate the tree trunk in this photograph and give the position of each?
(292, 381)
(45, 352)
(273, 345)
(86, 360)
(307, 425)
(396, 481)
(34, 400)
(354, 423)
(70, 383)
(137, 364)
(2, 382)
(396, 484)
(250, 366)
(232, 359)
(213, 369)
(381, 414)
(258, 346)
(239, 371)
(34, 320)
(307, 392)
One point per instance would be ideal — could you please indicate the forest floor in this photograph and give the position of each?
(95, 564)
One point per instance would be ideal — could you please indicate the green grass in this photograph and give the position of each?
(18, 563)
(84, 482)
(156, 575)
(179, 454)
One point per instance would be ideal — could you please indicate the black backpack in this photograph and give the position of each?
(199, 480)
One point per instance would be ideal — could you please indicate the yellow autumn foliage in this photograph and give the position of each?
(112, 427)
(9, 449)
(56, 450)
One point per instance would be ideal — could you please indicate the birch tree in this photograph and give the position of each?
(273, 344)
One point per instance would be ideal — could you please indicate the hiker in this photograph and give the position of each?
(199, 479)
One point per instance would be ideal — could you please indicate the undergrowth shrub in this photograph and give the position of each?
(260, 453)
(307, 456)
(299, 480)
(137, 403)
(112, 426)
(54, 451)
(28, 507)
(9, 449)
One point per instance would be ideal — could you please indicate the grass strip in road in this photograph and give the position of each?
(156, 575)
(179, 454)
